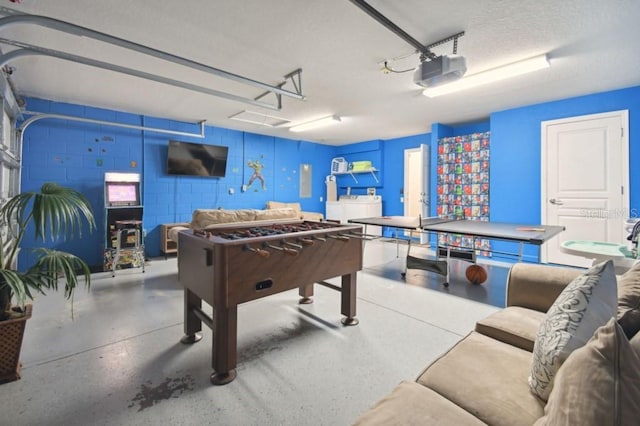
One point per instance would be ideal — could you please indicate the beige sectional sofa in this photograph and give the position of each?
(274, 213)
(485, 378)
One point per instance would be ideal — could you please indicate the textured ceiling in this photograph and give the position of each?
(593, 46)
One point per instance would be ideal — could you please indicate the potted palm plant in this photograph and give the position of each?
(54, 213)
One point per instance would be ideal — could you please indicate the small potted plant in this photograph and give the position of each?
(55, 213)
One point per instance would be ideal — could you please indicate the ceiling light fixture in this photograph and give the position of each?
(490, 76)
(259, 118)
(321, 122)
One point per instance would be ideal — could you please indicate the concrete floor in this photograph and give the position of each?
(120, 360)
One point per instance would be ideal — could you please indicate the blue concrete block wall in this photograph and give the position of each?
(77, 155)
(516, 149)
(393, 153)
(515, 176)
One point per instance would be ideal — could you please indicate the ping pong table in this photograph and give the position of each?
(512, 232)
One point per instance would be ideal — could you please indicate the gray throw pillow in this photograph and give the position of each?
(599, 384)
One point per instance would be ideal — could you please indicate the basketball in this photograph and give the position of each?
(476, 274)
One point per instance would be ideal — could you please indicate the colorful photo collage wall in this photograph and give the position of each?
(463, 185)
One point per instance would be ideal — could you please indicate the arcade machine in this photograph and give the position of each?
(124, 239)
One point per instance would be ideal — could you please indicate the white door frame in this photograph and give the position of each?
(424, 196)
(624, 167)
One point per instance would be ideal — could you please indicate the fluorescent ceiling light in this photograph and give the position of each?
(332, 119)
(490, 76)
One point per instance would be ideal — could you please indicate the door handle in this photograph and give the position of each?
(556, 202)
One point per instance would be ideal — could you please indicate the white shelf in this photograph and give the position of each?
(371, 170)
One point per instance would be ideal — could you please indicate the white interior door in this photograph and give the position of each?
(416, 184)
(585, 181)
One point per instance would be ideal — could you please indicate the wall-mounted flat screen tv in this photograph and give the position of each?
(195, 159)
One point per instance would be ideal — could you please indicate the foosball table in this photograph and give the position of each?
(228, 266)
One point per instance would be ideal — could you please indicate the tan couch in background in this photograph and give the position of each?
(313, 216)
(274, 213)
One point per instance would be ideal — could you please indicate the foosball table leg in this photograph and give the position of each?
(225, 345)
(192, 324)
(348, 295)
(305, 292)
(223, 378)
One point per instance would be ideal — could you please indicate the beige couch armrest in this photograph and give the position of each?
(536, 286)
(173, 232)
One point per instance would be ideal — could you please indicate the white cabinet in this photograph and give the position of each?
(356, 207)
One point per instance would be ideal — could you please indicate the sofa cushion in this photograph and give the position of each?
(202, 218)
(537, 286)
(246, 215)
(487, 378)
(514, 325)
(584, 305)
(278, 205)
(414, 404)
(629, 300)
(599, 384)
(283, 213)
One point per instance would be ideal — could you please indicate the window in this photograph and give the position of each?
(9, 150)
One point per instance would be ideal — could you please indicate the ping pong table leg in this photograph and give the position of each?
(404, 273)
(520, 250)
(446, 277)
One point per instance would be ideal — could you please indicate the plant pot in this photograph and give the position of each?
(11, 333)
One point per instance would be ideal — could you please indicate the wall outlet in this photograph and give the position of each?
(244, 188)
(321, 199)
(231, 191)
(402, 199)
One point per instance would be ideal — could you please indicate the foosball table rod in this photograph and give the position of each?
(285, 250)
(259, 252)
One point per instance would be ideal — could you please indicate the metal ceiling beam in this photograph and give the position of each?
(37, 116)
(425, 51)
(55, 24)
(369, 10)
(26, 49)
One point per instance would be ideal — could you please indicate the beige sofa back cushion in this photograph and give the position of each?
(202, 218)
(536, 286)
(281, 213)
(278, 205)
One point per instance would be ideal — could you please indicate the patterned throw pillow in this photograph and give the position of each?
(586, 304)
